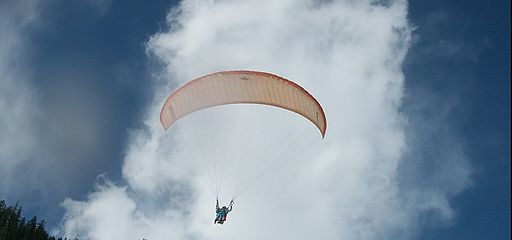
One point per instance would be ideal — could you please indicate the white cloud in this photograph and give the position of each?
(109, 204)
(50, 125)
(17, 108)
(348, 54)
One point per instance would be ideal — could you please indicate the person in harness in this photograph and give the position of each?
(222, 213)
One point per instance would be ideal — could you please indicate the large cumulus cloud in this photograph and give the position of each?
(349, 54)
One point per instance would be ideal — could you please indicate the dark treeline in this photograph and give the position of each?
(15, 227)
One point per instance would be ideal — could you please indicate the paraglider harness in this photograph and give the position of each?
(222, 213)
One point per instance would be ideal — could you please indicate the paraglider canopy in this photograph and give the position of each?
(242, 86)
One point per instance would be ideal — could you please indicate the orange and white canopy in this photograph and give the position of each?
(242, 86)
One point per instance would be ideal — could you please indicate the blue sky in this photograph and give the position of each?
(85, 74)
(477, 78)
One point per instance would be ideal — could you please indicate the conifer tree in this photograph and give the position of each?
(15, 227)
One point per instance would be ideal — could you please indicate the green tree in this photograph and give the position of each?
(15, 227)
